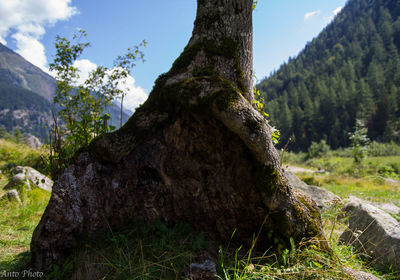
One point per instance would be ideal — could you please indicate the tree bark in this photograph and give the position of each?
(195, 152)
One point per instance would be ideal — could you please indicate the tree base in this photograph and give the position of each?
(183, 157)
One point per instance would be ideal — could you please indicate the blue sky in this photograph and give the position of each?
(281, 29)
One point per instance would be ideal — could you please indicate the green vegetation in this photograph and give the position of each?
(17, 222)
(13, 153)
(83, 105)
(145, 251)
(350, 71)
(24, 109)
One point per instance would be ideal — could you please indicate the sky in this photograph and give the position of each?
(281, 30)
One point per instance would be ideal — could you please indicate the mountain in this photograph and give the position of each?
(16, 71)
(26, 95)
(350, 71)
(24, 110)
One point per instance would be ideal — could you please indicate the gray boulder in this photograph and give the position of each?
(388, 207)
(12, 195)
(18, 181)
(322, 197)
(34, 142)
(31, 177)
(374, 233)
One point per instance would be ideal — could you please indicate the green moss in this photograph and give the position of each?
(267, 178)
(253, 125)
(240, 78)
(186, 57)
(183, 93)
(203, 71)
(313, 210)
(228, 49)
(225, 98)
(303, 212)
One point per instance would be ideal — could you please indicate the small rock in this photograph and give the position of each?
(373, 233)
(206, 270)
(359, 275)
(322, 197)
(12, 195)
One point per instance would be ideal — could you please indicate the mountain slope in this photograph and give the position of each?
(24, 110)
(26, 96)
(350, 71)
(15, 70)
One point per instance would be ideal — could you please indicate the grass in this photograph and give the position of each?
(17, 223)
(13, 153)
(145, 251)
(306, 261)
(372, 188)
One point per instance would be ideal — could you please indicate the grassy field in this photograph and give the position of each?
(159, 252)
(17, 222)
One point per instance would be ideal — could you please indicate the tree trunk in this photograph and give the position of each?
(195, 152)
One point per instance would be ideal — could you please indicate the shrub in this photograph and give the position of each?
(376, 149)
(318, 150)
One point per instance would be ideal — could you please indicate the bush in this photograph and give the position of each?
(318, 150)
(376, 149)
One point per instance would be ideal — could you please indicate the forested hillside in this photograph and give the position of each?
(350, 71)
(24, 110)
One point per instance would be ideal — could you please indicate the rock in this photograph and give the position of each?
(34, 142)
(206, 270)
(359, 275)
(388, 207)
(18, 181)
(321, 196)
(12, 195)
(32, 176)
(373, 233)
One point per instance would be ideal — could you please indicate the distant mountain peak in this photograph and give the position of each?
(17, 71)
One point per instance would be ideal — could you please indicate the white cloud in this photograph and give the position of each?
(311, 14)
(25, 21)
(337, 10)
(31, 49)
(85, 67)
(135, 95)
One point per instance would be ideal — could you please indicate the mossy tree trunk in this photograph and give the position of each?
(195, 152)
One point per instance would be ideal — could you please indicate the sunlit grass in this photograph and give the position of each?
(17, 223)
(372, 188)
(12, 154)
